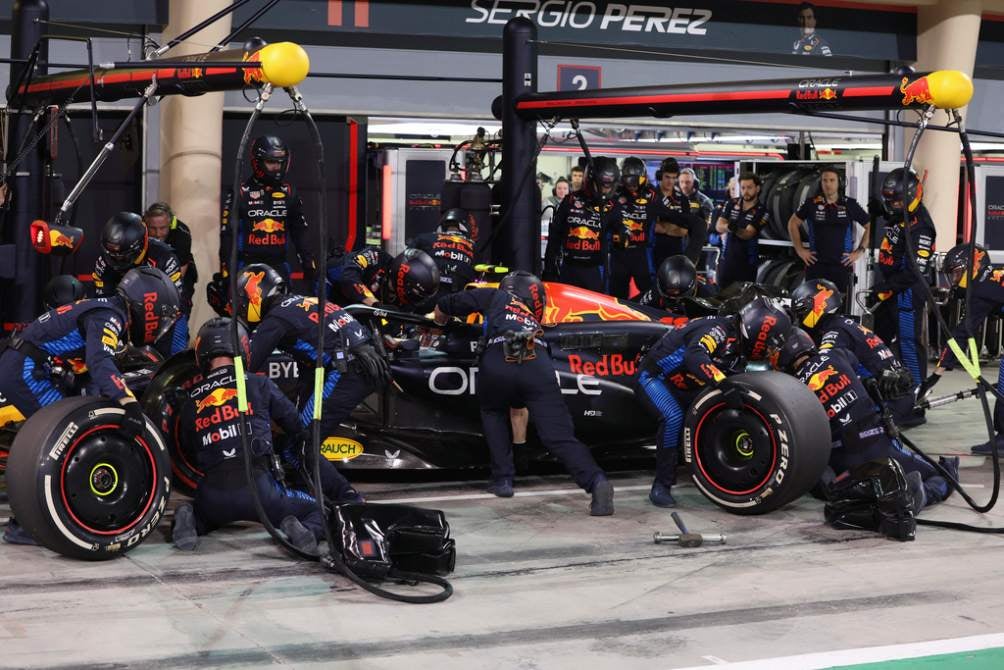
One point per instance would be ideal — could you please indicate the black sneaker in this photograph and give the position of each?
(16, 534)
(501, 488)
(915, 489)
(350, 495)
(183, 532)
(660, 495)
(602, 503)
(298, 535)
(985, 448)
(951, 466)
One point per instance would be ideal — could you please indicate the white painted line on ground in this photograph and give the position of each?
(715, 660)
(828, 659)
(519, 494)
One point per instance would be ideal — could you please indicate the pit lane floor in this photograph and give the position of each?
(539, 584)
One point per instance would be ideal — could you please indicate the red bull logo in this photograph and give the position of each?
(634, 226)
(818, 380)
(253, 290)
(268, 226)
(916, 92)
(583, 233)
(58, 239)
(253, 75)
(828, 94)
(216, 398)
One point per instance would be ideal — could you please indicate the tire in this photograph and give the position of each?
(162, 403)
(779, 205)
(80, 488)
(756, 442)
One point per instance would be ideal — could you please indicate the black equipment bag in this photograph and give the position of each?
(873, 496)
(402, 542)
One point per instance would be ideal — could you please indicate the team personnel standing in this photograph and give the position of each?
(856, 428)
(575, 176)
(452, 250)
(742, 219)
(209, 427)
(631, 246)
(810, 43)
(163, 225)
(269, 214)
(830, 219)
(987, 287)
(515, 369)
(897, 298)
(816, 304)
(577, 240)
(677, 231)
(352, 367)
(126, 244)
(700, 204)
(41, 364)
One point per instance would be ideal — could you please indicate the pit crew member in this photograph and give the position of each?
(742, 219)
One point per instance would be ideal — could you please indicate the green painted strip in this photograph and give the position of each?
(242, 391)
(983, 659)
(318, 390)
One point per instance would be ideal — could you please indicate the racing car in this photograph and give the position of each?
(753, 443)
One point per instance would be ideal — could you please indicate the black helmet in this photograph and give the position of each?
(528, 288)
(762, 327)
(454, 219)
(124, 240)
(813, 298)
(214, 340)
(600, 174)
(633, 173)
(62, 290)
(269, 147)
(898, 194)
(258, 287)
(797, 343)
(677, 277)
(957, 260)
(153, 303)
(411, 278)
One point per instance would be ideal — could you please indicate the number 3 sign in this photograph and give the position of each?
(579, 77)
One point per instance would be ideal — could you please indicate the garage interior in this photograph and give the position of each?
(416, 108)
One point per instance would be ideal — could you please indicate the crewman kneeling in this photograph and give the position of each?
(210, 427)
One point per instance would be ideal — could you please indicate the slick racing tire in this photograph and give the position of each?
(162, 403)
(80, 488)
(756, 442)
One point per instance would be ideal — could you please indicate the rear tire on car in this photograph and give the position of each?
(162, 402)
(756, 442)
(79, 487)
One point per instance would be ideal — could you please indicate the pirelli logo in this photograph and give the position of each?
(358, 15)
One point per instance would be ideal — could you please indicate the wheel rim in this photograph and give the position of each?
(107, 482)
(735, 450)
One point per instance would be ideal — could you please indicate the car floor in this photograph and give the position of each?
(540, 584)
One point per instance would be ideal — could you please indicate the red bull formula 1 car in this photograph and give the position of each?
(753, 444)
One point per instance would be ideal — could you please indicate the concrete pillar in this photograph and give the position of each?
(191, 140)
(947, 34)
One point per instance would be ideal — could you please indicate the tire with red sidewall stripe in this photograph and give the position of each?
(80, 487)
(162, 402)
(756, 442)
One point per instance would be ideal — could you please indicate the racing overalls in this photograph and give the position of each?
(831, 235)
(740, 258)
(632, 244)
(453, 254)
(509, 383)
(291, 326)
(856, 428)
(267, 218)
(158, 255)
(38, 366)
(652, 298)
(899, 318)
(677, 209)
(209, 426)
(179, 238)
(811, 45)
(352, 276)
(836, 331)
(674, 371)
(576, 251)
(987, 298)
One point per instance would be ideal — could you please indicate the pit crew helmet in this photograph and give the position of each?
(897, 192)
(677, 277)
(633, 174)
(813, 299)
(62, 290)
(124, 240)
(762, 328)
(269, 147)
(957, 260)
(528, 288)
(601, 173)
(411, 278)
(258, 288)
(214, 340)
(797, 343)
(153, 303)
(454, 219)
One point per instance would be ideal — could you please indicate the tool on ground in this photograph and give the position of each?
(685, 538)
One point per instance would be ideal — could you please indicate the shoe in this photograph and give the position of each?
(602, 503)
(951, 465)
(911, 420)
(16, 534)
(298, 535)
(350, 495)
(501, 488)
(985, 448)
(915, 489)
(183, 533)
(660, 495)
